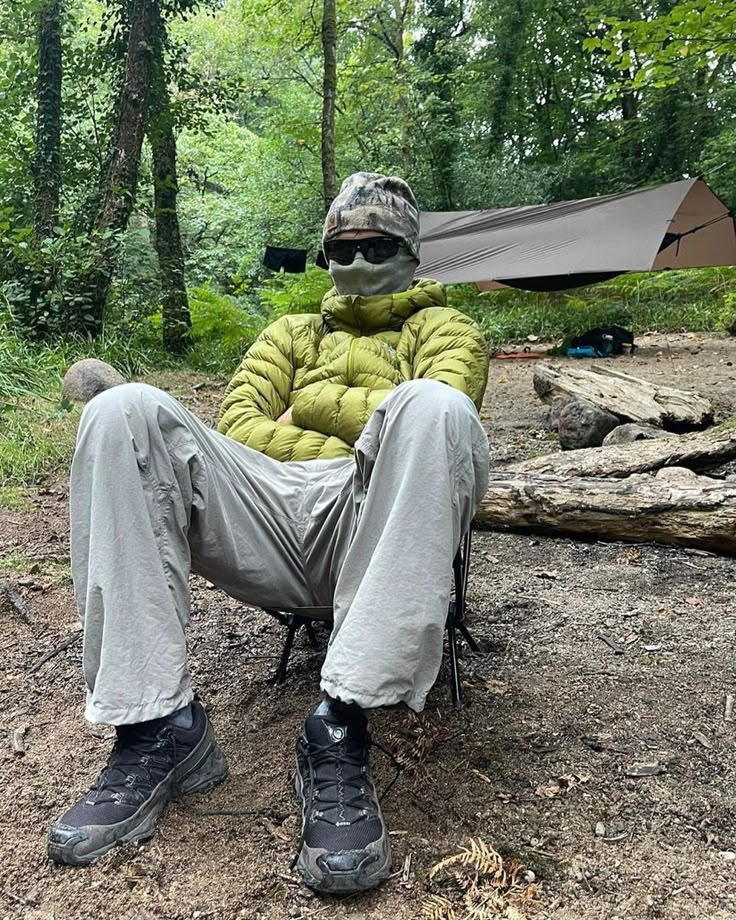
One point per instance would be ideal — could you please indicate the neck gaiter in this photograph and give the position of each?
(367, 280)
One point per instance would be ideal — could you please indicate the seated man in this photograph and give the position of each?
(349, 463)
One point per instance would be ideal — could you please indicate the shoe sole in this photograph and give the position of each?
(368, 875)
(201, 771)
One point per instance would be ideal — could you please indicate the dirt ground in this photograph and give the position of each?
(537, 764)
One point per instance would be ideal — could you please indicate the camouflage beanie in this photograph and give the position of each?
(370, 201)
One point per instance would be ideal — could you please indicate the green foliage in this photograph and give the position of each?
(655, 51)
(41, 280)
(36, 432)
(32, 369)
(295, 293)
(36, 440)
(728, 314)
(698, 300)
(224, 172)
(23, 371)
(222, 329)
(718, 162)
(478, 104)
(36, 429)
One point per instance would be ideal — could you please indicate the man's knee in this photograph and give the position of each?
(123, 398)
(128, 400)
(430, 398)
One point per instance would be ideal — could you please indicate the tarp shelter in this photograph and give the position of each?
(556, 246)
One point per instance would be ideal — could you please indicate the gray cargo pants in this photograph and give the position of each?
(155, 494)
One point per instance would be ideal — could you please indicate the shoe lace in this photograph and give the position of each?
(335, 752)
(343, 772)
(330, 755)
(136, 765)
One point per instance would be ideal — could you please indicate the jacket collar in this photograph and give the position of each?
(366, 315)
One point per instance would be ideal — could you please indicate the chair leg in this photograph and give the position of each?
(456, 617)
(279, 678)
(311, 635)
(455, 684)
(466, 634)
(467, 540)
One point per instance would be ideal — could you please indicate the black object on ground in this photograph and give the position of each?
(606, 340)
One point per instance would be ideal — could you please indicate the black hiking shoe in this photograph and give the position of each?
(344, 844)
(151, 764)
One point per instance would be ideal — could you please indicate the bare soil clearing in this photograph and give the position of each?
(602, 661)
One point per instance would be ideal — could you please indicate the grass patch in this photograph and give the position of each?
(20, 563)
(15, 498)
(700, 300)
(36, 440)
(15, 563)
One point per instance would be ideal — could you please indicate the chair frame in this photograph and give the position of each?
(293, 618)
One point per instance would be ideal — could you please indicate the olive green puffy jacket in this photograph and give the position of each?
(334, 369)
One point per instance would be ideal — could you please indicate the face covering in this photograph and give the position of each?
(367, 280)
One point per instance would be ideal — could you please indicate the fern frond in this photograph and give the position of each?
(435, 907)
(478, 856)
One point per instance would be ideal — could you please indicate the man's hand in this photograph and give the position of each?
(285, 418)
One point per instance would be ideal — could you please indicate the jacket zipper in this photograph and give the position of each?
(359, 326)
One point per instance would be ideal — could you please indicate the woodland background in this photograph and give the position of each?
(151, 149)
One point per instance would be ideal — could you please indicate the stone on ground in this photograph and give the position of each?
(85, 379)
(584, 425)
(627, 434)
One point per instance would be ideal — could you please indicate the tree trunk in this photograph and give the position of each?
(702, 451)
(47, 163)
(629, 104)
(510, 40)
(626, 396)
(329, 97)
(177, 321)
(403, 10)
(693, 511)
(438, 57)
(46, 166)
(118, 194)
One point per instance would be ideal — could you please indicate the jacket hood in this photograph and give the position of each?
(366, 315)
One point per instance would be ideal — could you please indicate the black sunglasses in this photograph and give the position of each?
(375, 249)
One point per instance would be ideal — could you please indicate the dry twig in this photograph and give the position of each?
(728, 711)
(17, 740)
(56, 650)
(14, 600)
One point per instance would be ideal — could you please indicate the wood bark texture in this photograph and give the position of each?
(698, 511)
(626, 396)
(121, 180)
(47, 161)
(329, 98)
(699, 451)
(402, 10)
(176, 319)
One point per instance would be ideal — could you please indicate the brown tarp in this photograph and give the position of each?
(555, 246)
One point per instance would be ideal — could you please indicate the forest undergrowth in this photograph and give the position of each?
(37, 426)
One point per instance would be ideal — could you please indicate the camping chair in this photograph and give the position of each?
(295, 617)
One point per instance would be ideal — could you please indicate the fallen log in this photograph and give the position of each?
(693, 511)
(628, 397)
(700, 451)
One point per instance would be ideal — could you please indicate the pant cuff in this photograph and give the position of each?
(339, 691)
(103, 714)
